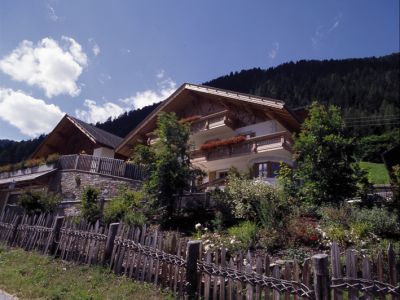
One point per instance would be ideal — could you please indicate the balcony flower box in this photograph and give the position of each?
(221, 143)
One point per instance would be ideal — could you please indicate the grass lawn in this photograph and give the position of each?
(377, 173)
(29, 275)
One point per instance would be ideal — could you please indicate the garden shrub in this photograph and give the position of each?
(125, 207)
(90, 207)
(223, 210)
(272, 239)
(245, 233)
(36, 202)
(379, 220)
(254, 200)
(302, 230)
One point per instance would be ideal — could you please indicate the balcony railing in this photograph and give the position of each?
(252, 145)
(101, 165)
(222, 118)
(89, 163)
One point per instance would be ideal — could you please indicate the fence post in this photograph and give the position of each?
(112, 232)
(56, 234)
(13, 236)
(193, 254)
(321, 277)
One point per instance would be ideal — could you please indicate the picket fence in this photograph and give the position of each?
(169, 260)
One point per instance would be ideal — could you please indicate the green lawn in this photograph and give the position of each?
(377, 173)
(29, 275)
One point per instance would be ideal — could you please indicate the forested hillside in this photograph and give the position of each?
(367, 89)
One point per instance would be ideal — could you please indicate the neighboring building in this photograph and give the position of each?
(86, 158)
(228, 129)
(73, 136)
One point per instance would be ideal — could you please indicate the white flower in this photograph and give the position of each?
(197, 226)
(232, 241)
(205, 229)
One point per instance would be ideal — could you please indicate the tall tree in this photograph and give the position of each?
(326, 165)
(168, 164)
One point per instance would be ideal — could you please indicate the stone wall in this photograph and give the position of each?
(71, 184)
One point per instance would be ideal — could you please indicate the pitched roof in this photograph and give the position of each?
(278, 107)
(95, 135)
(100, 136)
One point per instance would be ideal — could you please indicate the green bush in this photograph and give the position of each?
(36, 202)
(90, 207)
(245, 233)
(379, 220)
(125, 207)
(255, 201)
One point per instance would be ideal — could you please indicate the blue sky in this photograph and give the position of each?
(94, 59)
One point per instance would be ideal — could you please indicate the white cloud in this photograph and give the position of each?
(98, 113)
(149, 97)
(160, 74)
(101, 112)
(30, 115)
(52, 13)
(336, 22)
(322, 32)
(95, 47)
(274, 51)
(104, 77)
(51, 67)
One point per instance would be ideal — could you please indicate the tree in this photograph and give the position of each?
(91, 210)
(326, 166)
(168, 164)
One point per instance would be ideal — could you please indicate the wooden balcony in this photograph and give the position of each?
(222, 120)
(259, 144)
(101, 165)
(88, 163)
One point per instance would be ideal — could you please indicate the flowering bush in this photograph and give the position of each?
(5, 168)
(302, 230)
(52, 158)
(34, 162)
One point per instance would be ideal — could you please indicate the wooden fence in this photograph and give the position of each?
(169, 260)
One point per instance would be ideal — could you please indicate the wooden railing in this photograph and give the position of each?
(252, 145)
(101, 165)
(212, 121)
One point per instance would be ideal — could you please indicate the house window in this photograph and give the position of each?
(267, 169)
(262, 170)
(223, 174)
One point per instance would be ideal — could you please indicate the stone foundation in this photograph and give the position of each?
(71, 184)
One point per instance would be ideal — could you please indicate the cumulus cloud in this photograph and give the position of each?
(274, 51)
(48, 65)
(98, 113)
(30, 115)
(149, 97)
(94, 112)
